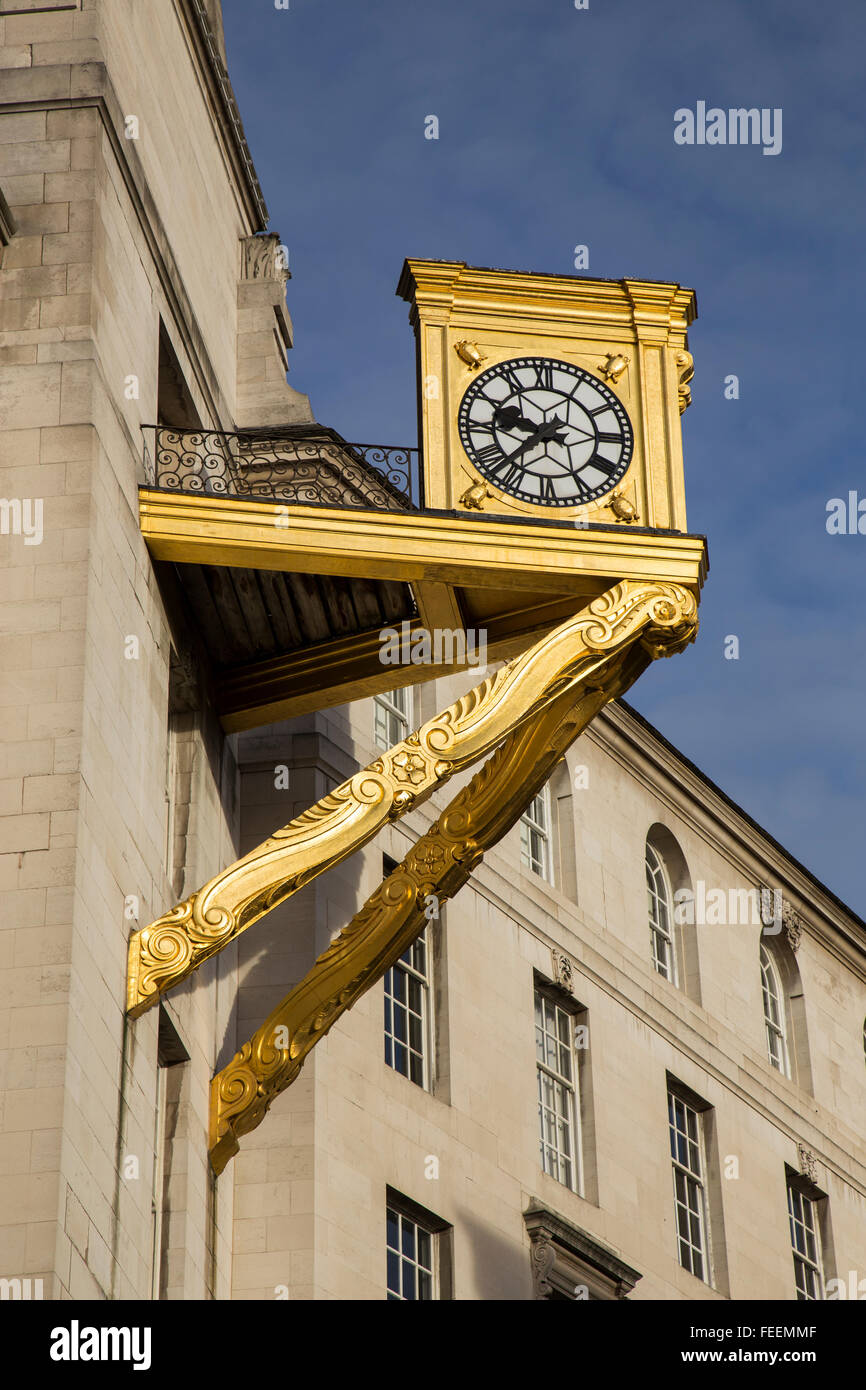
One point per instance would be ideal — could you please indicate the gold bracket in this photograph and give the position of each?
(444, 859)
(172, 947)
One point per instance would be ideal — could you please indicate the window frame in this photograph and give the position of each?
(657, 930)
(395, 718)
(547, 995)
(775, 1029)
(696, 1179)
(531, 825)
(438, 1231)
(390, 1000)
(801, 1258)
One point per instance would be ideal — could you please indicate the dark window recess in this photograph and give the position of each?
(175, 407)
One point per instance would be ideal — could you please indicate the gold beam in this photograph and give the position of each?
(412, 547)
(438, 605)
(441, 862)
(167, 951)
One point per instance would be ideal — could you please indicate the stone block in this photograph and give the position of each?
(30, 395)
(34, 156)
(66, 310)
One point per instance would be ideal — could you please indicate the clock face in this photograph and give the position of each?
(545, 431)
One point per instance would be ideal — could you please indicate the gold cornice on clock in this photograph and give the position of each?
(507, 314)
(416, 547)
(514, 579)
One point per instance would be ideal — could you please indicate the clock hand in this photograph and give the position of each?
(508, 417)
(545, 431)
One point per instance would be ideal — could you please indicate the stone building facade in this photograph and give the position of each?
(139, 286)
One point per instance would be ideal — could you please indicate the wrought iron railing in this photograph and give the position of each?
(300, 465)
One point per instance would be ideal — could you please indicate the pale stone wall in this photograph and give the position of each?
(373, 1128)
(112, 235)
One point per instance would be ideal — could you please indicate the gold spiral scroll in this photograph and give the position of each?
(167, 951)
(441, 862)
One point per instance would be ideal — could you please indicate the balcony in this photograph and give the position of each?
(297, 465)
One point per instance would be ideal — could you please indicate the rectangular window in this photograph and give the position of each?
(805, 1244)
(157, 1191)
(418, 1252)
(689, 1170)
(392, 717)
(410, 1258)
(535, 836)
(169, 1079)
(407, 1013)
(558, 1101)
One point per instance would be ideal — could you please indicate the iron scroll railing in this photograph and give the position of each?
(312, 466)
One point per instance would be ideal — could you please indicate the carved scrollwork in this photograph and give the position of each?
(441, 862)
(165, 952)
(543, 1257)
(685, 372)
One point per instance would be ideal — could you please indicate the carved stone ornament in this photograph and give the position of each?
(261, 258)
(567, 1262)
(563, 970)
(543, 704)
(808, 1164)
(793, 924)
(576, 659)
(543, 1257)
(777, 912)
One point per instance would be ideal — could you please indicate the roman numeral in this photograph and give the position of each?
(489, 455)
(610, 439)
(603, 465)
(544, 375)
(512, 471)
(513, 380)
(547, 492)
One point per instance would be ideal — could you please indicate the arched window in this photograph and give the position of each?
(661, 921)
(775, 1021)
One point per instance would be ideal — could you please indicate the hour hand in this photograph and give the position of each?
(508, 417)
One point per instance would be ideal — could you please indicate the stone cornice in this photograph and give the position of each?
(627, 736)
(225, 107)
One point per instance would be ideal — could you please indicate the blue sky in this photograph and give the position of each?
(556, 129)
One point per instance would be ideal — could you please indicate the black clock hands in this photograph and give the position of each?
(508, 417)
(547, 430)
